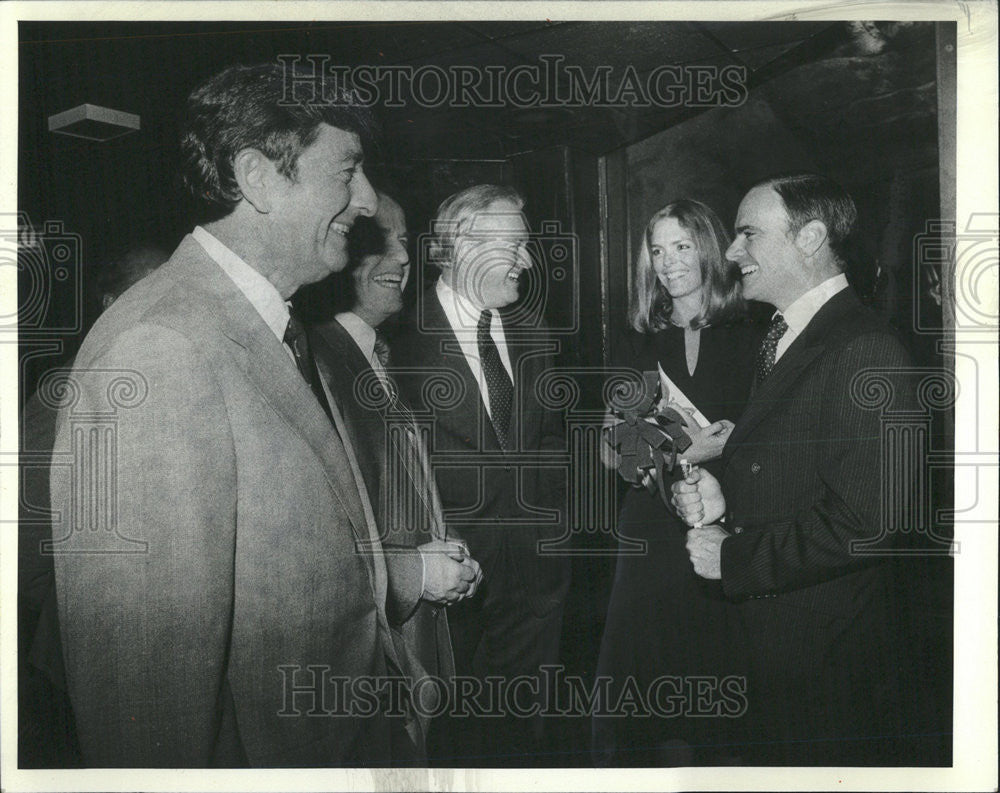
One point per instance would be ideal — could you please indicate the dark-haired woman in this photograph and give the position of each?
(670, 635)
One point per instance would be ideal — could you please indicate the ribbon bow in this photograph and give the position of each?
(643, 444)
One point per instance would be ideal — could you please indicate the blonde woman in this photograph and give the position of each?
(687, 315)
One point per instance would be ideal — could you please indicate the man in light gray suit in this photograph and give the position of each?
(220, 581)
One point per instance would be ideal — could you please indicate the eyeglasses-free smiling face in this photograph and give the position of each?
(311, 215)
(675, 259)
(765, 251)
(380, 278)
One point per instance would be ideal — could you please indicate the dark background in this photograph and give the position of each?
(866, 104)
(858, 105)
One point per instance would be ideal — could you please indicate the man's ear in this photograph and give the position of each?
(460, 249)
(257, 177)
(811, 236)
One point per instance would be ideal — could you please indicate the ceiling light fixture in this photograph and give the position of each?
(93, 122)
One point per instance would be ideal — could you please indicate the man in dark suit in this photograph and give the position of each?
(426, 571)
(488, 447)
(218, 568)
(801, 490)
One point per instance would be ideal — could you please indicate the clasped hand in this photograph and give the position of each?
(450, 573)
(698, 500)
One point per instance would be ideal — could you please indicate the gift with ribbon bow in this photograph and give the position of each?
(648, 434)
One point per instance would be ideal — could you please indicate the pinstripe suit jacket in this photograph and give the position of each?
(803, 477)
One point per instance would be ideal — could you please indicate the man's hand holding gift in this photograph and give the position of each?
(698, 500)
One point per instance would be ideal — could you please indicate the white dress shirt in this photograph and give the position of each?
(463, 316)
(800, 313)
(265, 299)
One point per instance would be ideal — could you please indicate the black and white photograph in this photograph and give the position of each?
(465, 397)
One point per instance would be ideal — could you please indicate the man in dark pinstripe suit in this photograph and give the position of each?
(801, 485)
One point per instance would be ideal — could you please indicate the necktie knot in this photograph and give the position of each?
(382, 350)
(485, 322)
(777, 327)
(298, 342)
(769, 347)
(294, 331)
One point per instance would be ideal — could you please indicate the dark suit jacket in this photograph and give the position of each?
(424, 625)
(803, 477)
(207, 537)
(503, 504)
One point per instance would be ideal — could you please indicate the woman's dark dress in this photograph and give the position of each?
(663, 619)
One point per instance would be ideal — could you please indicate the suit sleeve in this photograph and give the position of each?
(144, 569)
(405, 569)
(815, 543)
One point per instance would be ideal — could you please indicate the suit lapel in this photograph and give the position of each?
(528, 357)
(272, 371)
(339, 343)
(371, 543)
(332, 345)
(471, 412)
(370, 539)
(811, 343)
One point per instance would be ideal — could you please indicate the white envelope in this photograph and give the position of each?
(672, 393)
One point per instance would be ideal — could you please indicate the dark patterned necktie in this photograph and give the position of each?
(498, 382)
(382, 353)
(298, 342)
(768, 349)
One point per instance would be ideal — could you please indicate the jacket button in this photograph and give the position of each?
(755, 468)
(738, 530)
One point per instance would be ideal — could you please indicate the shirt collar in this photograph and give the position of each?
(463, 315)
(255, 287)
(359, 330)
(800, 313)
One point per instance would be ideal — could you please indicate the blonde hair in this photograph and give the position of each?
(722, 301)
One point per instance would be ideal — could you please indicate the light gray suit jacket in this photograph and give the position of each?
(213, 562)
